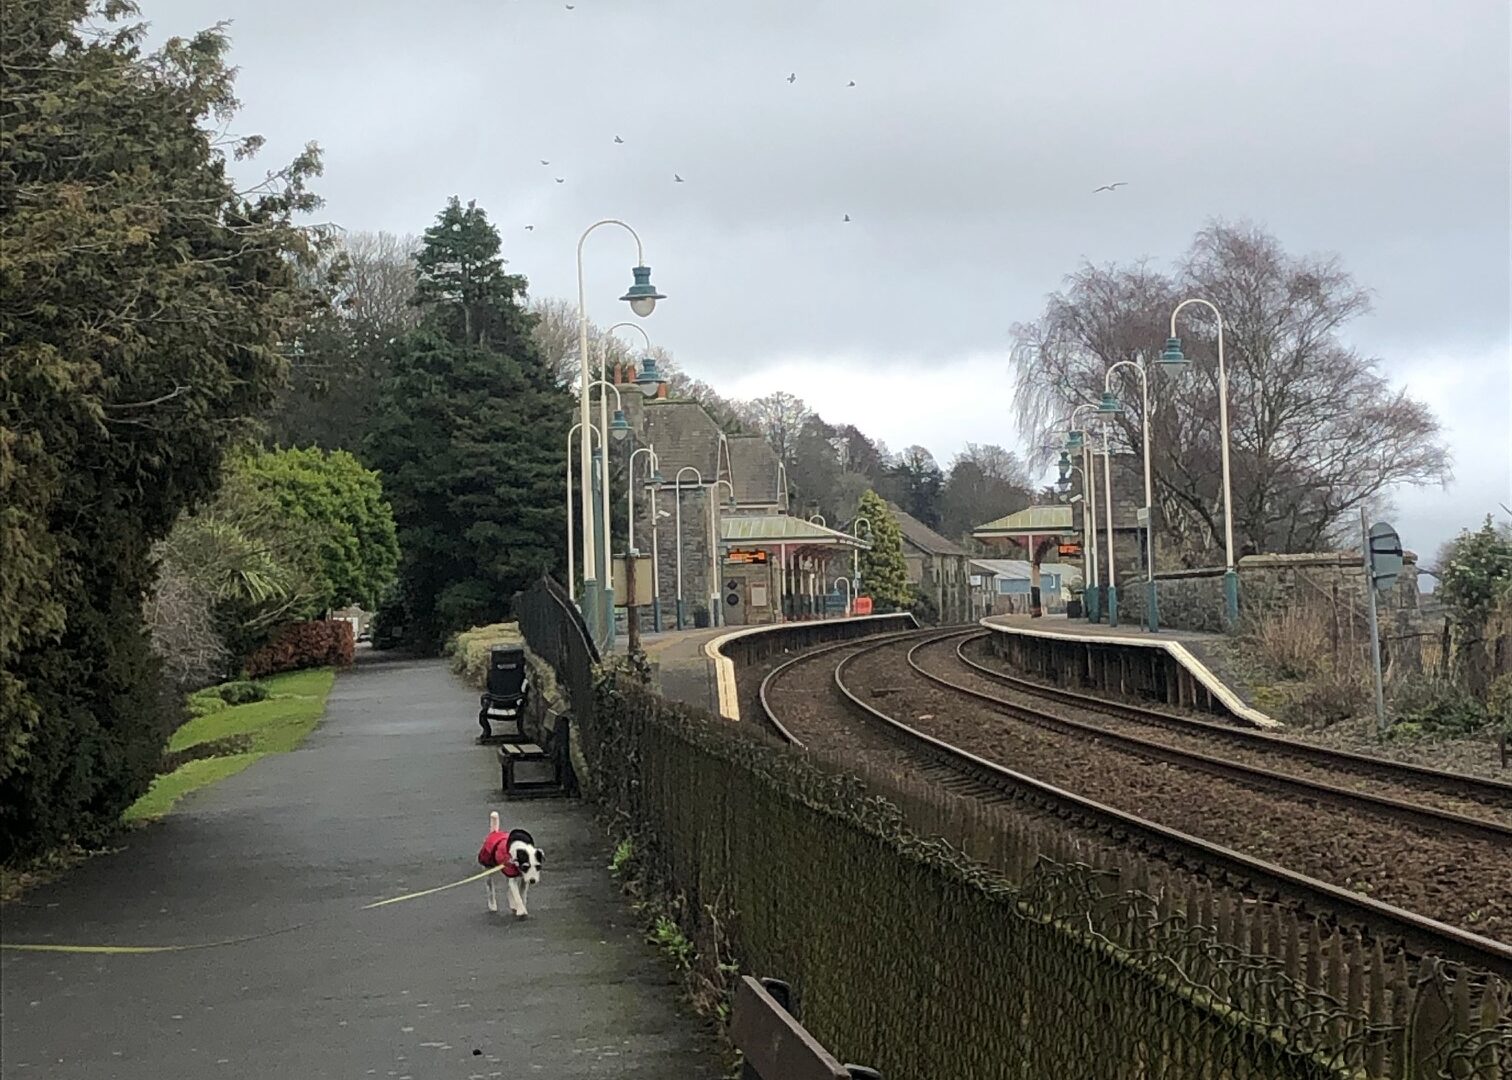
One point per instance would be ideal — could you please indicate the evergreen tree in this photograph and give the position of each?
(142, 299)
(469, 434)
(884, 574)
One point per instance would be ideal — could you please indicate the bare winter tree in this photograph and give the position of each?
(781, 417)
(1317, 431)
(985, 482)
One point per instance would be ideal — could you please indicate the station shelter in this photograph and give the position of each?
(1037, 534)
(778, 568)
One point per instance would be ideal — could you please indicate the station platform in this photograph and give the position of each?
(1189, 672)
(682, 669)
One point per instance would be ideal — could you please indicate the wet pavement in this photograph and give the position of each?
(389, 795)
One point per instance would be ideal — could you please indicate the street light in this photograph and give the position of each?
(571, 569)
(654, 479)
(1108, 502)
(1076, 442)
(615, 429)
(642, 297)
(649, 380)
(1174, 360)
(850, 591)
(1152, 614)
(677, 526)
(860, 519)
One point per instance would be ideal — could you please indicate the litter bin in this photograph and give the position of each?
(504, 697)
(1074, 608)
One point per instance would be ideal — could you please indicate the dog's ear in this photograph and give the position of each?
(493, 821)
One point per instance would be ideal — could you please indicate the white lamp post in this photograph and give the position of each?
(1173, 358)
(617, 429)
(850, 591)
(653, 479)
(571, 569)
(1110, 406)
(716, 608)
(1076, 439)
(642, 297)
(677, 525)
(861, 519)
(1108, 497)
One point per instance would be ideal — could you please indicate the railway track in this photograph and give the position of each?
(973, 775)
(1475, 792)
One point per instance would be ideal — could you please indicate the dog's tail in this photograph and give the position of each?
(493, 821)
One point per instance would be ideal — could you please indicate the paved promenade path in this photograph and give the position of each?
(388, 796)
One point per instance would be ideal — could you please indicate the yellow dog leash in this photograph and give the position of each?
(139, 950)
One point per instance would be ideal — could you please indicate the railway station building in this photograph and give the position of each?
(719, 523)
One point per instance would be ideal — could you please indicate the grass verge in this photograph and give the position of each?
(276, 725)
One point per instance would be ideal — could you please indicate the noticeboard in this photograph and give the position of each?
(1072, 550)
(644, 593)
(747, 556)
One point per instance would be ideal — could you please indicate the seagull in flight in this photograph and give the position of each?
(851, 83)
(1110, 187)
(618, 139)
(571, 6)
(793, 77)
(530, 228)
(677, 179)
(847, 217)
(561, 180)
(545, 162)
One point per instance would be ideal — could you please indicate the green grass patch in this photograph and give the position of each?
(170, 788)
(294, 705)
(295, 702)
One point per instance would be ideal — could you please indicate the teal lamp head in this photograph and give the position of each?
(642, 296)
(1075, 439)
(1172, 358)
(1109, 405)
(619, 427)
(649, 379)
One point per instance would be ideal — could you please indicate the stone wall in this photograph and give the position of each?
(1332, 583)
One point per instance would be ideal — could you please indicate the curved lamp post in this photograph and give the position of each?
(642, 297)
(1076, 442)
(716, 609)
(1173, 359)
(860, 519)
(677, 489)
(571, 569)
(1110, 406)
(654, 479)
(850, 593)
(617, 429)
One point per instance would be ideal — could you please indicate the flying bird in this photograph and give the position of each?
(793, 77)
(545, 162)
(676, 179)
(851, 83)
(618, 139)
(1110, 187)
(530, 228)
(561, 180)
(847, 217)
(571, 6)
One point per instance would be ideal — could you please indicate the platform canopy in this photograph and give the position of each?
(760, 530)
(1031, 521)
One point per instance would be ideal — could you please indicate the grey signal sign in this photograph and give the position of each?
(1385, 555)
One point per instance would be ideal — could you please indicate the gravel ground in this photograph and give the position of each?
(941, 660)
(1456, 879)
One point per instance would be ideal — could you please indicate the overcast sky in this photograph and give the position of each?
(965, 155)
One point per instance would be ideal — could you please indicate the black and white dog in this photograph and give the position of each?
(516, 856)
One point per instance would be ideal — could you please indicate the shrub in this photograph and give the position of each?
(469, 649)
(1438, 706)
(1327, 698)
(205, 702)
(317, 643)
(241, 692)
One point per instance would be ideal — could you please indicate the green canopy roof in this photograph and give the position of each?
(1031, 521)
(781, 529)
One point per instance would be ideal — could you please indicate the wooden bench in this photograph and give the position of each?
(528, 771)
(775, 1044)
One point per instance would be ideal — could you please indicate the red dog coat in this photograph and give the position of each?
(495, 851)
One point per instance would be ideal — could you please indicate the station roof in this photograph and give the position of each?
(754, 471)
(921, 536)
(1030, 521)
(1019, 569)
(767, 529)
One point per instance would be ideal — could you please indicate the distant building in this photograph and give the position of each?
(1004, 585)
(937, 569)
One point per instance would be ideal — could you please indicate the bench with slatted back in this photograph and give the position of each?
(775, 1044)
